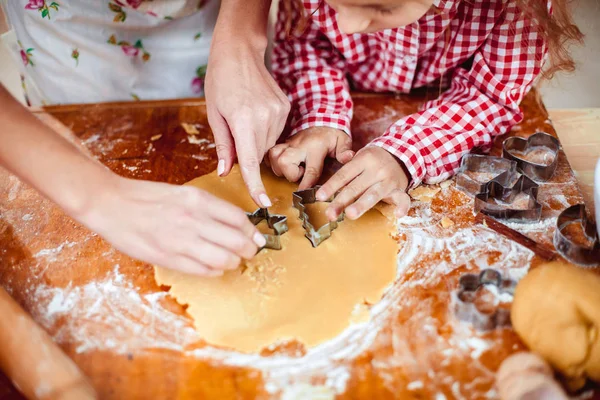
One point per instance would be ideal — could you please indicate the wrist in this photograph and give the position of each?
(243, 24)
(237, 41)
(408, 154)
(85, 200)
(403, 173)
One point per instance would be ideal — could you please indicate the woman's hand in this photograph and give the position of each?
(177, 227)
(246, 109)
(303, 155)
(371, 176)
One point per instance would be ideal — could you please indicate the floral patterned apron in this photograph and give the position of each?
(88, 51)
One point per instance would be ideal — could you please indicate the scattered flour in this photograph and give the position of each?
(540, 226)
(15, 185)
(499, 297)
(52, 254)
(304, 391)
(478, 346)
(111, 314)
(414, 385)
(91, 139)
(192, 139)
(199, 157)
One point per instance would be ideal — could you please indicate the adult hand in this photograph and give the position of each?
(246, 110)
(177, 227)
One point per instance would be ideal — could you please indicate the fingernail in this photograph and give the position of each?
(321, 195)
(331, 214)
(259, 239)
(221, 167)
(400, 212)
(351, 212)
(264, 200)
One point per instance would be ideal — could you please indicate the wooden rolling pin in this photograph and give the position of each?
(33, 362)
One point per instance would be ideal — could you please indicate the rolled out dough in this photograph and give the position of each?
(300, 292)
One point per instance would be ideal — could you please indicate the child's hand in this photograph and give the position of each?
(177, 227)
(371, 176)
(309, 147)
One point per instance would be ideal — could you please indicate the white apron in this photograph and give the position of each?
(88, 51)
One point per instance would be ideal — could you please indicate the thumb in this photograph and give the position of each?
(223, 142)
(343, 148)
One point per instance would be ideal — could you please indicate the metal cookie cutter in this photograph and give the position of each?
(477, 170)
(467, 310)
(497, 190)
(276, 222)
(515, 146)
(316, 236)
(586, 256)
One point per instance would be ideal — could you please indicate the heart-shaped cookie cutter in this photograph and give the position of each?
(586, 256)
(536, 171)
(316, 236)
(490, 167)
(503, 189)
(465, 307)
(276, 222)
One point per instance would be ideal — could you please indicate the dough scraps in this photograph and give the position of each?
(298, 293)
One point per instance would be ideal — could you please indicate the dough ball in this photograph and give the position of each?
(556, 312)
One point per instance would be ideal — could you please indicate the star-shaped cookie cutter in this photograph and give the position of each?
(467, 310)
(316, 236)
(501, 189)
(586, 256)
(539, 172)
(276, 222)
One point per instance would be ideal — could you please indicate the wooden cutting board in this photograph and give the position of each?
(135, 342)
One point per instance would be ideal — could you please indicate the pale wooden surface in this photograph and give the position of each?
(579, 132)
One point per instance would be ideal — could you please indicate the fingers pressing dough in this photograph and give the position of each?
(556, 312)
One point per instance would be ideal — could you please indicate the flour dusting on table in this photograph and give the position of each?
(113, 314)
(133, 321)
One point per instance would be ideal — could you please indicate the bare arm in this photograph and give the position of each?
(244, 19)
(176, 227)
(45, 160)
(246, 109)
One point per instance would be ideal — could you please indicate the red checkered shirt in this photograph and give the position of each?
(502, 47)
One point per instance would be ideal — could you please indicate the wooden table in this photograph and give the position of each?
(579, 133)
(135, 342)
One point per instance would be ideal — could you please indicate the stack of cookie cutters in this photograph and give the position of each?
(276, 222)
(316, 236)
(504, 186)
(466, 307)
(586, 256)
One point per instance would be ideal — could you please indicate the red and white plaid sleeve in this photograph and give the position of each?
(481, 103)
(311, 71)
